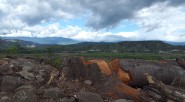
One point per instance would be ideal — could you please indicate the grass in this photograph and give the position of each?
(145, 56)
(110, 55)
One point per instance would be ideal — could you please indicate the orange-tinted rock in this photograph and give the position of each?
(129, 92)
(117, 89)
(121, 74)
(102, 65)
(114, 65)
(102, 77)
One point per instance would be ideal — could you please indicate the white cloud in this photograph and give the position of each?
(160, 21)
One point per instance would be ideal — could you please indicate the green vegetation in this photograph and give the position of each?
(145, 56)
(147, 50)
(11, 51)
(57, 62)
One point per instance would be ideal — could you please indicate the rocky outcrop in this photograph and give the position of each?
(25, 80)
(99, 73)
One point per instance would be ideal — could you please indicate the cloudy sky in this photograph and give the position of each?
(94, 20)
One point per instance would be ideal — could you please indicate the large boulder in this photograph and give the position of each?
(27, 75)
(53, 93)
(165, 72)
(124, 76)
(93, 73)
(67, 73)
(5, 68)
(73, 68)
(9, 83)
(24, 96)
(27, 68)
(115, 88)
(85, 96)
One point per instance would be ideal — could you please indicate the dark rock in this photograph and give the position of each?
(55, 100)
(122, 100)
(68, 73)
(53, 93)
(93, 73)
(73, 69)
(47, 100)
(24, 96)
(66, 99)
(17, 68)
(5, 69)
(76, 80)
(9, 83)
(69, 60)
(88, 97)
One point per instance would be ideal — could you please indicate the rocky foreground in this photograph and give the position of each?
(32, 80)
(26, 80)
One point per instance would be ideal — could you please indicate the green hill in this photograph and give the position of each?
(126, 46)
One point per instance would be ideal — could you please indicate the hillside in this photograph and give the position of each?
(7, 43)
(125, 46)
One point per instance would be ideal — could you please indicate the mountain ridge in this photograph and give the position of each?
(45, 40)
(68, 41)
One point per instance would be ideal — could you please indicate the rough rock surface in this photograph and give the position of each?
(27, 75)
(88, 97)
(26, 80)
(5, 97)
(53, 93)
(122, 100)
(24, 96)
(9, 83)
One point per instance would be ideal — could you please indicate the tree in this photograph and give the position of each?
(11, 51)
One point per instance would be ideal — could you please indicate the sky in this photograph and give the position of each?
(94, 20)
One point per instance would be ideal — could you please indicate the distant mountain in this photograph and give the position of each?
(4, 43)
(176, 43)
(46, 40)
(125, 46)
